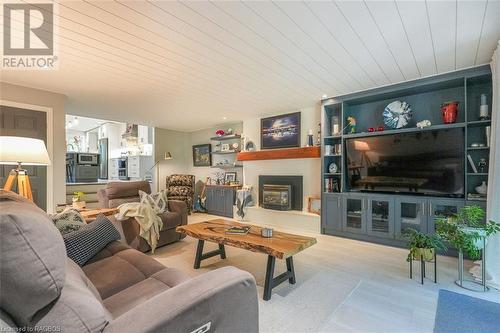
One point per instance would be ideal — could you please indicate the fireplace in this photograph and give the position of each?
(280, 192)
(277, 197)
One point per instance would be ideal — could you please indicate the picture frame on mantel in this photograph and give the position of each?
(281, 131)
(202, 155)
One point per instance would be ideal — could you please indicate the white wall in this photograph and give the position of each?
(56, 144)
(308, 168)
(175, 142)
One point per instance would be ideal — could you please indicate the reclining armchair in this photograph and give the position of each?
(117, 193)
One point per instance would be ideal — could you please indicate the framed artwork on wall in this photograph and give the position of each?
(229, 177)
(202, 156)
(314, 205)
(281, 131)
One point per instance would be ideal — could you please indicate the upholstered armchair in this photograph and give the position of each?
(181, 187)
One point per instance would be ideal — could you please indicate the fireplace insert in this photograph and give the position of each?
(277, 197)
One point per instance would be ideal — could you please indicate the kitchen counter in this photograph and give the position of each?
(99, 182)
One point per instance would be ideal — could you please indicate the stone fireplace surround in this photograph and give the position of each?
(296, 183)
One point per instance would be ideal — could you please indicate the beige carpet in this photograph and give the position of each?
(342, 286)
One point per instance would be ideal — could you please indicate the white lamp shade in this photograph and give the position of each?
(28, 151)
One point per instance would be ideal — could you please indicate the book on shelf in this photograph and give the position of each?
(238, 230)
(471, 162)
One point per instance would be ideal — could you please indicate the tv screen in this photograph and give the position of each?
(427, 163)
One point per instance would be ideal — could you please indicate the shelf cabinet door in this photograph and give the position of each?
(441, 208)
(380, 217)
(331, 212)
(410, 213)
(354, 214)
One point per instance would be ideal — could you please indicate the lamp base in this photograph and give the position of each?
(23, 182)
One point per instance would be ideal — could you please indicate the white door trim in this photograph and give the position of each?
(50, 144)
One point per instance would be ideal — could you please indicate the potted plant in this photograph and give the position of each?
(466, 230)
(422, 245)
(78, 203)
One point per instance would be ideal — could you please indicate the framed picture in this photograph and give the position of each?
(225, 147)
(229, 177)
(280, 131)
(202, 156)
(314, 205)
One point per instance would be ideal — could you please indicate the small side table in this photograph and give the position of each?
(422, 268)
(91, 214)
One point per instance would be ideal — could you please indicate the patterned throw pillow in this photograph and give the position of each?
(83, 244)
(68, 220)
(157, 201)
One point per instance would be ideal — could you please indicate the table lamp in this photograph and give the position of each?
(26, 151)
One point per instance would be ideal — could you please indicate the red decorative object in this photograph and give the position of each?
(371, 129)
(449, 110)
(380, 128)
(220, 132)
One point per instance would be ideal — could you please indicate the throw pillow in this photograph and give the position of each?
(157, 201)
(83, 244)
(68, 220)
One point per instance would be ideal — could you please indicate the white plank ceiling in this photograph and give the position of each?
(190, 65)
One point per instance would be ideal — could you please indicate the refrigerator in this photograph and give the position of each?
(103, 158)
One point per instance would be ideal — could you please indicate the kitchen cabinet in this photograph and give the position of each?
(410, 213)
(354, 213)
(137, 166)
(380, 216)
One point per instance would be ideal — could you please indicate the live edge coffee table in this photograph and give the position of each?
(281, 246)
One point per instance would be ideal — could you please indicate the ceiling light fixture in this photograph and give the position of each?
(75, 121)
(224, 118)
(70, 124)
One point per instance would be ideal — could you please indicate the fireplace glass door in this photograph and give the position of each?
(276, 197)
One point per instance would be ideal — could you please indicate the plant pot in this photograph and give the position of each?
(80, 205)
(478, 243)
(428, 254)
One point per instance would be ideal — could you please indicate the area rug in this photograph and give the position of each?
(458, 313)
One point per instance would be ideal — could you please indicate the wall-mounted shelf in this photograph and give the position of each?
(479, 123)
(477, 174)
(403, 130)
(279, 154)
(226, 166)
(226, 137)
(477, 148)
(223, 152)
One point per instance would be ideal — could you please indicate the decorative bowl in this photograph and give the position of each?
(397, 114)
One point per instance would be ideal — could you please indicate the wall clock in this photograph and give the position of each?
(397, 114)
(333, 168)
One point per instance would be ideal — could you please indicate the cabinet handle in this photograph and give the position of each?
(430, 208)
(423, 209)
(363, 204)
(338, 202)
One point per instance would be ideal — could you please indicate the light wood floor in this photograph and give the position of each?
(342, 286)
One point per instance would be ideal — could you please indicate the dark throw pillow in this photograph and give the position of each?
(83, 244)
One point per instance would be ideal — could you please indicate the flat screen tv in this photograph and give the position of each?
(427, 163)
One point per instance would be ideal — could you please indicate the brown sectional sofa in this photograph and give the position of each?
(118, 290)
(117, 193)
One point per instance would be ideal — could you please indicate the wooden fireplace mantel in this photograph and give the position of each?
(279, 154)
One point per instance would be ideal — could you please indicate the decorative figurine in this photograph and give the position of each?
(423, 124)
(482, 165)
(351, 121)
(482, 189)
(220, 132)
(310, 140)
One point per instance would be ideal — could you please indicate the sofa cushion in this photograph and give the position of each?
(68, 220)
(170, 220)
(32, 261)
(120, 271)
(113, 203)
(85, 243)
(79, 308)
(127, 299)
(115, 190)
(157, 201)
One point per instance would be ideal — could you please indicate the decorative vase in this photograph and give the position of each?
(482, 189)
(80, 205)
(427, 254)
(450, 111)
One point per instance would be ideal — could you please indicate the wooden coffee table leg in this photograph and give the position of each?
(201, 256)
(290, 270)
(268, 284)
(271, 281)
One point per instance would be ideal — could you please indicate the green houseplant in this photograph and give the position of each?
(465, 231)
(422, 245)
(77, 199)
